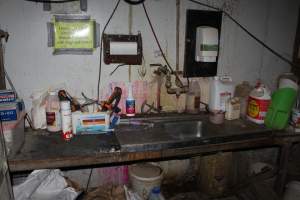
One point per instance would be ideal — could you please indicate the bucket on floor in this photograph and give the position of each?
(144, 177)
(292, 191)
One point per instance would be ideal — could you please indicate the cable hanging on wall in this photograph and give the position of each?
(248, 32)
(134, 2)
(51, 1)
(178, 81)
(101, 48)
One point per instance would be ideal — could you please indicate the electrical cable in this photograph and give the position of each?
(101, 48)
(142, 70)
(89, 180)
(248, 32)
(156, 39)
(117, 67)
(2, 139)
(134, 2)
(159, 46)
(10, 83)
(51, 1)
(27, 117)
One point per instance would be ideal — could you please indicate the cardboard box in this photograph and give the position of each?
(90, 123)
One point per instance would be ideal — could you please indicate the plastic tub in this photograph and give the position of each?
(144, 177)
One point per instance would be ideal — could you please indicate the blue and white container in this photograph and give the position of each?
(7, 96)
(90, 123)
(9, 111)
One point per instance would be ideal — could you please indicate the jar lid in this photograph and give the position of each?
(146, 170)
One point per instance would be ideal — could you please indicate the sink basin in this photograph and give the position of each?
(183, 130)
(134, 125)
(151, 134)
(175, 129)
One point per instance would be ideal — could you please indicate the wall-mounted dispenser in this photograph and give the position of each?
(127, 49)
(207, 44)
(202, 38)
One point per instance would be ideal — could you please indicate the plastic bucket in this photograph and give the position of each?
(292, 191)
(281, 106)
(144, 177)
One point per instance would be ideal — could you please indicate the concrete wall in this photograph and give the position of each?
(32, 66)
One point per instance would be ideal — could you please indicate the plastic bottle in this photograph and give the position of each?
(130, 102)
(221, 89)
(66, 120)
(156, 194)
(242, 91)
(258, 103)
(53, 117)
(193, 98)
(233, 108)
(288, 80)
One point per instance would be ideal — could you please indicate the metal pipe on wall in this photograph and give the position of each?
(177, 33)
(130, 32)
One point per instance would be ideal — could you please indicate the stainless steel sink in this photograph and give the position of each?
(184, 129)
(158, 133)
(180, 129)
(176, 129)
(134, 125)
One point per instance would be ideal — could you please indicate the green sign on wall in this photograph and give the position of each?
(74, 34)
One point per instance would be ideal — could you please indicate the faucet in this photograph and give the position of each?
(164, 70)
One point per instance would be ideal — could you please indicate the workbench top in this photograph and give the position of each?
(44, 150)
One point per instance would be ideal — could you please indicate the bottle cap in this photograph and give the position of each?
(52, 93)
(156, 190)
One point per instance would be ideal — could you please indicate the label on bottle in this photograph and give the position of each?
(130, 106)
(66, 119)
(257, 108)
(50, 117)
(224, 96)
(197, 102)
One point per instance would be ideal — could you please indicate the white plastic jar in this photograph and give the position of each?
(221, 89)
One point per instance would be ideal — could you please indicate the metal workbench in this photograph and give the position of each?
(42, 150)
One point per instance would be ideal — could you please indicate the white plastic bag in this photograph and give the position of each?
(130, 195)
(38, 110)
(45, 184)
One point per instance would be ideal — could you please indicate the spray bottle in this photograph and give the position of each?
(130, 102)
